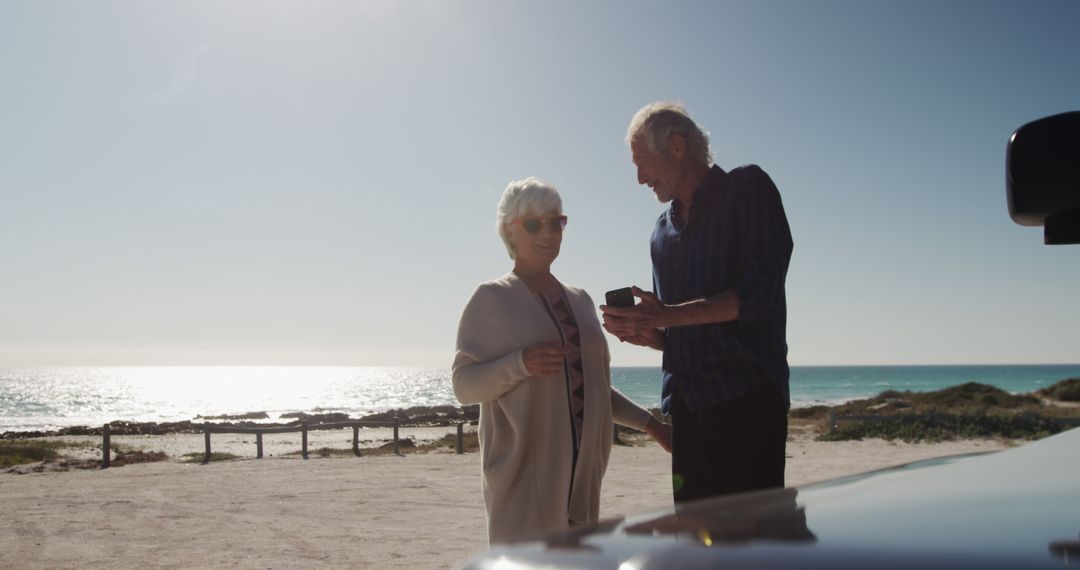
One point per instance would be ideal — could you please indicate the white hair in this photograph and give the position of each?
(531, 196)
(656, 122)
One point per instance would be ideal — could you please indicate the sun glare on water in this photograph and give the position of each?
(57, 397)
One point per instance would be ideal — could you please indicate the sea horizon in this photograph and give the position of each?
(47, 398)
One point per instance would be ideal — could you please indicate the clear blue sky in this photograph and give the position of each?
(315, 182)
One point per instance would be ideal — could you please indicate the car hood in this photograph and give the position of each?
(1018, 508)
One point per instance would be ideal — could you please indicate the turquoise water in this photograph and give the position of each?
(833, 384)
(49, 398)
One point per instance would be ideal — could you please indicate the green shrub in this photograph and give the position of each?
(470, 441)
(18, 453)
(948, 427)
(331, 452)
(809, 412)
(971, 398)
(197, 457)
(134, 456)
(1064, 391)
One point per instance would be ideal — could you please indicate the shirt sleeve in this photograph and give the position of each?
(765, 245)
(477, 376)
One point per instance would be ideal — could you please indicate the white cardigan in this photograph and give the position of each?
(525, 438)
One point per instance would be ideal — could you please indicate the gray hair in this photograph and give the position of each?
(656, 122)
(531, 196)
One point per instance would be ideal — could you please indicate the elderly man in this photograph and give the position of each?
(720, 256)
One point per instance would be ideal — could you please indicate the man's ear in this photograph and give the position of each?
(677, 146)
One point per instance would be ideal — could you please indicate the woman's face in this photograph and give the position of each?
(536, 251)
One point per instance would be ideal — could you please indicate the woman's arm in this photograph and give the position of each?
(481, 372)
(477, 382)
(629, 414)
(489, 380)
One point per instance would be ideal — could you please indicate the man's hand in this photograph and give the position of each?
(651, 339)
(638, 324)
(544, 358)
(618, 326)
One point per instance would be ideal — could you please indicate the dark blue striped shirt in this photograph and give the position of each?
(737, 238)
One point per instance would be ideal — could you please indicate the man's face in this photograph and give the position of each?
(659, 171)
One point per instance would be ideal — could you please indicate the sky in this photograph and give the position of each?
(315, 182)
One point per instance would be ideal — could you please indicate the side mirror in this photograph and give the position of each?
(1042, 176)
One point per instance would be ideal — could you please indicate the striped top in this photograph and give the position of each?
(559, 309)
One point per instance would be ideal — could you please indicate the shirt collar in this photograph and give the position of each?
(705, 194)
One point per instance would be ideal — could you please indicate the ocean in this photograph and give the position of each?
(34, 399)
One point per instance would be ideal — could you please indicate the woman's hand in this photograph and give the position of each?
(544, 358)
(660, 432)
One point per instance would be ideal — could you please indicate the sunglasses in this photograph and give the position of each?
(533, 225)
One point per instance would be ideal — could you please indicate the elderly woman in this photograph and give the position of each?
(531, 352)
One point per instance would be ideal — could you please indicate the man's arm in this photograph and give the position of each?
(758, 288)
(719, 308)
(642, 323)
(766, 245)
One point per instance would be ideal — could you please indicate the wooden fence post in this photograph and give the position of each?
(303, 449)
(460, 439)
(397, 446)
(258, 445)
(106, 446)
(206, 458)
(832, 421)
(356, 440)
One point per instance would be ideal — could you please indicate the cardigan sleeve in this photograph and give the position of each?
(477, 375)
(478, 382)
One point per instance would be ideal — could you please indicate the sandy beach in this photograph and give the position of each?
(420, 510)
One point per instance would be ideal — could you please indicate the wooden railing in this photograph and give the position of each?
(303, 428)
